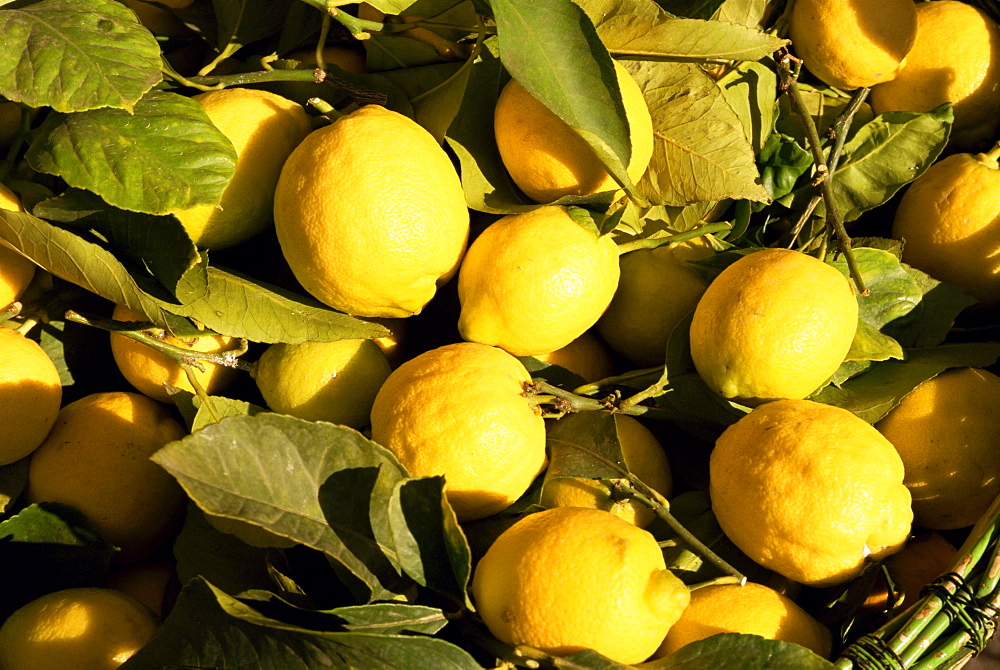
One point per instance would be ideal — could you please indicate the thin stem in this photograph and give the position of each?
(541, 392)
(10, 311)
(200, 391)
(788, 71)
(324, 30)
(26, 326)
(652, 243)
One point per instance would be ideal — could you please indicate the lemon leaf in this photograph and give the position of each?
(13, 478)
(165, 157)
(738, 651)
(749, 89)
(700, 150)
(552, 49)
(583, 444)
(208, 628)
(700, 9)
(310, 482)
(752, 13)
(430, 544)
(886, 154)
(76, 55)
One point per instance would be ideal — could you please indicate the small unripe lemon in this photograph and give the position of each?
(572, 578)
(30, 395)
(533, 282)
(323, 381)
(371, 215)
(775, 324)
(264, 128)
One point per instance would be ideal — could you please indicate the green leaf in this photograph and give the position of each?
(13, 479)
(198, 415)
(274, 478)
(76, 55)
(782, 161)
(165, 157)
(886, 154)
(391, 618)
(552, 49)
(585, 444)
(431, 546)
(750, 89)
(736, 651)
(700, 151)
(159, 243)
(698, 9)
(873, 394)
(751, 13)
(930, 322)
(241, 22)
(437, 92)
(209, 629)
(871, 345)
(487, 185)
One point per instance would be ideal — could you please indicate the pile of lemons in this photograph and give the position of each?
(808, 490)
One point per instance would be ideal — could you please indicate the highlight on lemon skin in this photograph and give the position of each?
(30, 395)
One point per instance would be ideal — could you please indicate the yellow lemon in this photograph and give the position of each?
(371, 215)
(16, 271)
(323, 381)
(264, 128)
(30, 395)
(571, 578)
(644, 457)
(533, 282)
(949, 222)
(148, 370)
(459, 410)
(752, 609)
(775, 324)
(393, 344)
(853, 43)
(923, 559)
(945, 430)
(809, 490)
(83, 628)
(655, 292)
(585, 357)
(548, 159)
(96, 458)
(955, 58)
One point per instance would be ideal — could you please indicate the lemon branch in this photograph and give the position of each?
(788, 69)
(653, 242)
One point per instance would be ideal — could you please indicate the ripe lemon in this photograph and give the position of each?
(392, 345)
(752, 609)
(949, 223)
(955, 58)
(264, 128)
(323, 381)
(572, 578)
(30, 395)
(923, 559)
(16, 271)
(371, 215)
(655, 292)
(459, 411)
(548, 159)
(533, 282)
(147, 581)
(644, 457)
(82, 628)
(148, 370)
(945, 430)
(96, 458)
(775, 324)
(809, 490)
(585, 357)
(853, 43)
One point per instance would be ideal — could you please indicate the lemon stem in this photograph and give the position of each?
(200, 391)
(136, 330)
(788, 72)
(991, 156)
(26, 326)
(357, 27)
(9, 312)
(652, 243)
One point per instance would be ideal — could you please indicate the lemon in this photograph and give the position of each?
(752, 609)
(148, 370)
(96, 458)
(533, 282)
(30, 395)
(853, 43)
(938, 70)
(949, 224)
(16, 271)
(459, 411)
(571, 578)
(548, 159)
(809, 490)
(923, 559)
(945, 430)
(264, 128)
(644, 457)
(445, 48)
(148, 581)
(371, 215)
(655, 292)
(775, 324)
(585, 357)
(393, 344)
(85, 628)
(323, 381)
